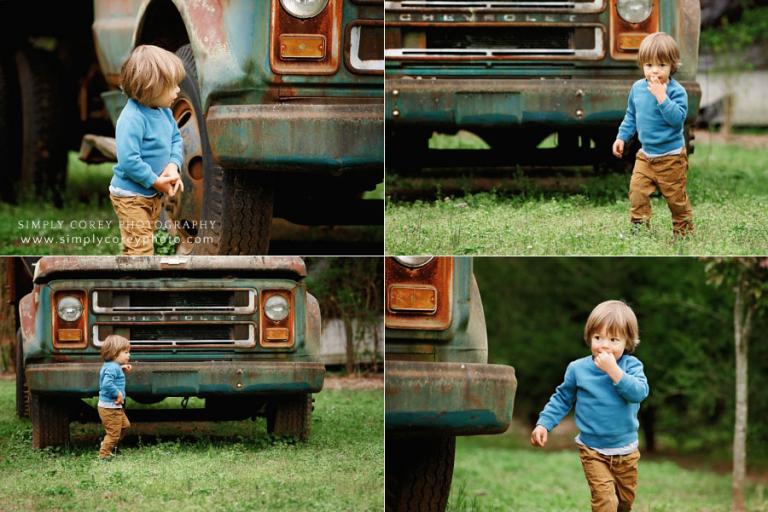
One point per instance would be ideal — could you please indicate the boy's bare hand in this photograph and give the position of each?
(618, 148)
(126, 368)
(607, 362)
(657, 88)
(539, 436)
(164, 184)
(178, 186)
(119, 398)
(172, 170)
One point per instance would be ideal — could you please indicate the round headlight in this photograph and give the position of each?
(276, 308)
(413, 261)
(304, 8)
(634, 11)
(69, 308)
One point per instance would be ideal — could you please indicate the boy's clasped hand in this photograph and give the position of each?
(169, 182)
(657, 88)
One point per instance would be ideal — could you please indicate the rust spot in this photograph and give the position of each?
(27, 314)
(207, 20)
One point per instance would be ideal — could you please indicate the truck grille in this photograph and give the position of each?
(167, 317)
(503, 42)
(174, 300)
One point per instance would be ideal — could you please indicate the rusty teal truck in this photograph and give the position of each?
(241, 332)
(518, 72)
(438, 384)
(281, 111)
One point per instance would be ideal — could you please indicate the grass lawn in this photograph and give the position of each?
(727, 184)
(221, 466)
(493, 475)
(88, 222)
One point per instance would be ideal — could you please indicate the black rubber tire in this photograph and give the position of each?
(50, 420)
(419, 473)
(291, 416)
(43, 153)
(22, 392)
(9, 126)
(239, 203)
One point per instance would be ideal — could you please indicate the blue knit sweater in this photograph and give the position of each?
(147, 140)
(659, 126)
(606, 413)
(111, 380)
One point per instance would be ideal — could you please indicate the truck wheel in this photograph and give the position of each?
(50, 421)
(22, 392)
(238, 204)
(43, 155)
(291, 416)
(419, 473)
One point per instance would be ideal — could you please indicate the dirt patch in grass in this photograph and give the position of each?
(745, 140)
(354, 382)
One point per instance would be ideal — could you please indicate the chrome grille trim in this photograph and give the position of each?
(354, 53)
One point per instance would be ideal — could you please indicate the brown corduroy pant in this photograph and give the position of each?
(137, 216)
(612, 479)
(115, 424)
(669, 174)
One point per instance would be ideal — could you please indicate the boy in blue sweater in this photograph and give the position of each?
(656, 111)
(116, 352)
(149, 145)
(607, 388)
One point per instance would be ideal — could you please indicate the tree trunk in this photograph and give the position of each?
(376, 342)
(350, 335)
(742, 314)
(648, 418)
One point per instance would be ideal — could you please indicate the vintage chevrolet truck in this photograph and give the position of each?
(438, 384)
(517, 72)
(281, 111)
(239, 331)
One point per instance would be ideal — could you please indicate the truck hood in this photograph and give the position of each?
(50, 266)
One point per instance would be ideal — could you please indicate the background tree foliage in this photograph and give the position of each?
(350, 289)
(536, 309)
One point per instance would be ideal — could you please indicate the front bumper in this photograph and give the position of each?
(288, 137)
(454, 102)
(183, 379)
(450, 398)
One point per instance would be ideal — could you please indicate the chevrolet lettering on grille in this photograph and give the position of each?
(489, 17)
(176, 318)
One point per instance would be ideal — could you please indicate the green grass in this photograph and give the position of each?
(493, 475)
(376, 193)
(727, 184)
(89, 224)
(223, 466)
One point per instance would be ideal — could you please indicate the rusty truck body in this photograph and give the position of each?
(438, 384)
(241, 332)
(515, 73)
(281, 111)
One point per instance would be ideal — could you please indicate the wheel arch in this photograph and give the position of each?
(161, 24)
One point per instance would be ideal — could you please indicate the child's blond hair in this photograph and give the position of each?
(617, 318)
(659, 47)
(113, 345)
(149, 72)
